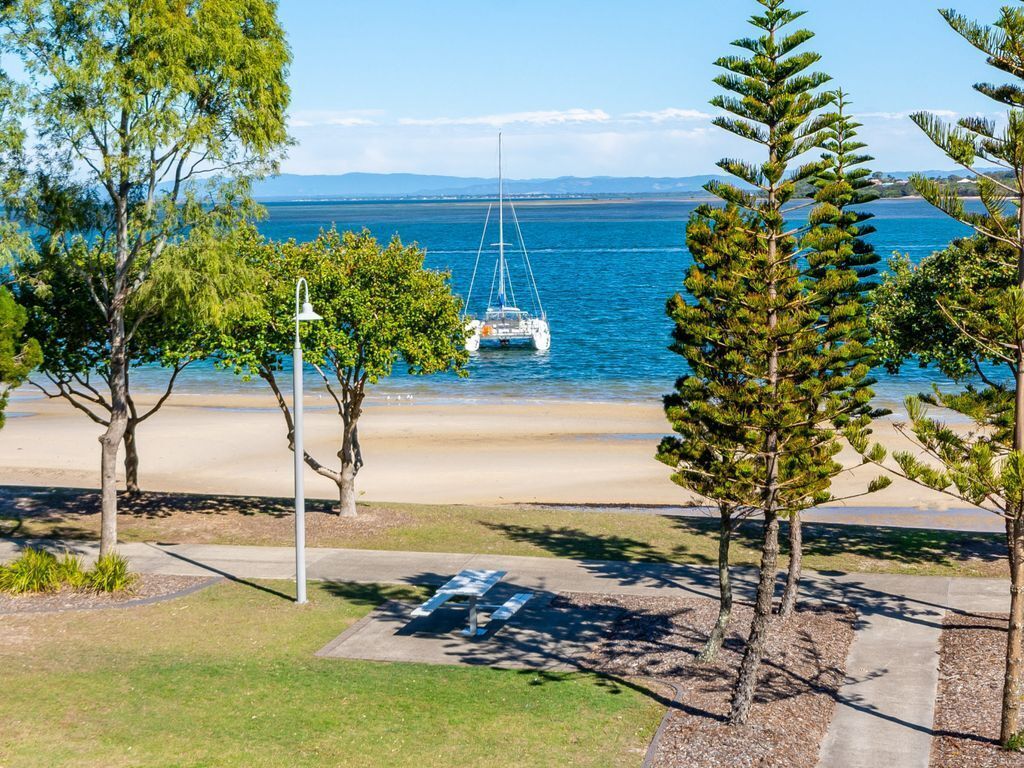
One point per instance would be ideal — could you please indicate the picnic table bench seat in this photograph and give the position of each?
(433, 604)
(510, 607)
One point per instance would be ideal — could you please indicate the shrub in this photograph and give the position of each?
(68, 570)
(35, 570)
(110, 574)
(1016, 743)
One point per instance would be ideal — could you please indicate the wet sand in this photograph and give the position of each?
(558, 452)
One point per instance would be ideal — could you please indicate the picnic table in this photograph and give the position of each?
(473, 584)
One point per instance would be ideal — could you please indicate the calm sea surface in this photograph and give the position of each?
(603, 270)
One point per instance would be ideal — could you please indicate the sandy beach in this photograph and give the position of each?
(557, 452)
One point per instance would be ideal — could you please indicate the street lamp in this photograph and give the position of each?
(305, 314)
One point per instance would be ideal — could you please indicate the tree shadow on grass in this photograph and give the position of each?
(898, 545)
(371, 595)
(577, 544)
(34, 501)
(903, 546)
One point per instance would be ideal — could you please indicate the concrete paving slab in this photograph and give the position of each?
(545, 635)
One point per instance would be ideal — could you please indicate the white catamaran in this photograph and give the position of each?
(504, 323)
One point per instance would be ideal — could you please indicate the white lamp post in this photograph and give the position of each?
(307, 314)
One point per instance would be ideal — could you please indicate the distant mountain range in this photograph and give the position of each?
(290, 186)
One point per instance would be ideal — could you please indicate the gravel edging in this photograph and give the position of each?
(44, 603)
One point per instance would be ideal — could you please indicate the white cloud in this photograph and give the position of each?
(670, 114)
(946, 114)
(348, 119)
(539, 117)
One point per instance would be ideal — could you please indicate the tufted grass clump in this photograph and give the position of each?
(35, 570)
(39, 571)
(111, 574)
(68, 570)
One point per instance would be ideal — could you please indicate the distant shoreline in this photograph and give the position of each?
(529, 200)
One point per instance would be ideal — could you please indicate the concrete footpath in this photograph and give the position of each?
(885, 709)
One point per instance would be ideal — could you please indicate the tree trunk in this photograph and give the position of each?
(112, 438)
(109, 442)
(131, 460)
(746, 681)
(347, 491)
(714, 642)
(349, 454)
(796, 557)
(1013, 681)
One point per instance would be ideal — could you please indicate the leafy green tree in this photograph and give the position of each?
(171, 323)
(775, 337)
(18, 354)
(380, 307)
(958, 311)
(971, 299)
(134, 102)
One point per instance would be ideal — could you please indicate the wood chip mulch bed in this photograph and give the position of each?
(972, 658)
(805, 665)
(147, 589)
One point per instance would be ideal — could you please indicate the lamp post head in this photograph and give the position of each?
(307, 313)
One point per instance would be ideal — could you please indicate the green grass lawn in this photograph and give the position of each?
(543, 532)
(227, 677)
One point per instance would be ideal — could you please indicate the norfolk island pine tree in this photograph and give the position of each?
(969, 304)
(776, 104)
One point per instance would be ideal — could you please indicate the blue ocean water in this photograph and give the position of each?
(604, 271)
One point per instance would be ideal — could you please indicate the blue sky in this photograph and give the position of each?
(593, 87)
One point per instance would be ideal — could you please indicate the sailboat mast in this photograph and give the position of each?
(501, 231)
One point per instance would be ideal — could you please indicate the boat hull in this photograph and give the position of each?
(533, 332)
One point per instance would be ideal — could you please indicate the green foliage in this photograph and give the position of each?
(194, 286)
(18, 354)
(111, 574)
(152, 119)
(380, 305)
(940, 310)
(68, 569)
(1015, 742)
(962, 308)
(775, 336)
(35, 570)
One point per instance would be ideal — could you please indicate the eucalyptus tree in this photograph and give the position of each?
(172, 321)
(970, 300)
(135, 101)
(774, 366)
(381, 307)
(19, 354)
